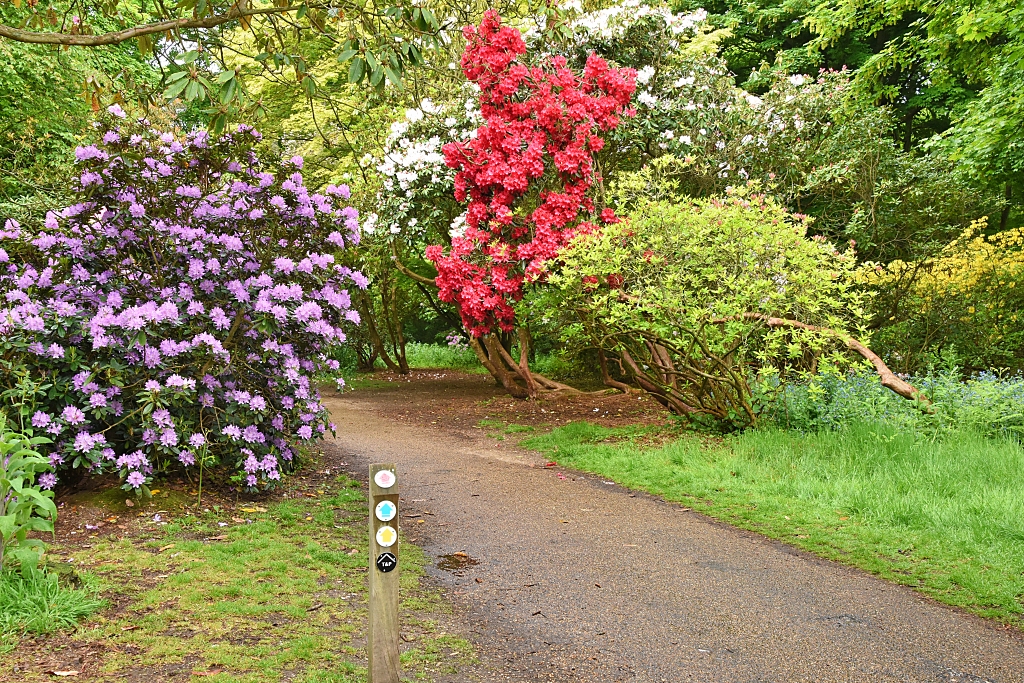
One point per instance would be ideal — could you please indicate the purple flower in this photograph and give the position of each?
(98, 400)
(306, 432)
(84, 442)
(47, 480)
(197, 440)
(169, 437)
(186, 458)
(136, 479)
(297, 161)
(252, 434)
(40, 419)
(232, 431)
(162, 417)
(73, 415)
(152, 385)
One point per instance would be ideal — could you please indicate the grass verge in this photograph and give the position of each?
(944, 516)
(246, 594)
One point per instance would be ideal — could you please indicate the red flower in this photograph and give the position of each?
(536, 120)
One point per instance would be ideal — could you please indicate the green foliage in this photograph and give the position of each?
(40, 603)
(24, 506)
(434, 356)
(965, 56)
(945, 515)
(47, 99)
(673, 294)
(985, 403)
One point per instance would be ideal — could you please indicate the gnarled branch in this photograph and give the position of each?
(888, 377)
(115, 37)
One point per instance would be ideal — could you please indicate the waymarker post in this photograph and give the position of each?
(382, 640)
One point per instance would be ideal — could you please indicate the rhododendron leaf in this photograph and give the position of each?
(355, 70)
(395, 79)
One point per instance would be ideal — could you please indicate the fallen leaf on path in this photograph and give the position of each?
(129, 628)
(551, 464)
(254, 509)
(129, 502)
(211, 672)
(315, 607)
(163, 548)
(63, 673)
(238, 520)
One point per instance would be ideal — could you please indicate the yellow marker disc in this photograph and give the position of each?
(386, 536)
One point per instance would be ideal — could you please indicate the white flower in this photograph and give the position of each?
(645, 74)
(370, 224)
(753, 100)
(458, 226)
(646, 98)
(413, 115)
(398, 129)
(668, 134)
(687, 80)
(703, 131)
(450, 122)
(746, 139)
(685, 139)
(797, 80)
(428, 106)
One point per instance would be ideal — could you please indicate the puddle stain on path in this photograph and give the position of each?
(456, 563)
(706, 602)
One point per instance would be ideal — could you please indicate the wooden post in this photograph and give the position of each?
(382, 639)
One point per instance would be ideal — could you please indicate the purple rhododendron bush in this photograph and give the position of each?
(174, 315)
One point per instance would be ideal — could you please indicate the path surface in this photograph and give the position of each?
(584, 581)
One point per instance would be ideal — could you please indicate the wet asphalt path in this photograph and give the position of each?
(585, 581)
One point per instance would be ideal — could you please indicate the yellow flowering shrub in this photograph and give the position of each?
(967, 301)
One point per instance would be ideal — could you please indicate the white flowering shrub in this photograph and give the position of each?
(417, 194)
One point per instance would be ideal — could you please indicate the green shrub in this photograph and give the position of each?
(680, 294)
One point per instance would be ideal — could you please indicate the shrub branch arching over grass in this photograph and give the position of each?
(700, 302)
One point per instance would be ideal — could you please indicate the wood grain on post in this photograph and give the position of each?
(382, 639)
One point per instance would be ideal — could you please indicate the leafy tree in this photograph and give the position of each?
(969, 56)
(48, 99)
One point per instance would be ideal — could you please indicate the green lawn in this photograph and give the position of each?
(251, 594)
(946, 516)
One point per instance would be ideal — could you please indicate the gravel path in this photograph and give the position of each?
(581, 580)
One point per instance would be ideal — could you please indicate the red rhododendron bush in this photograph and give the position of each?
(527, 174)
